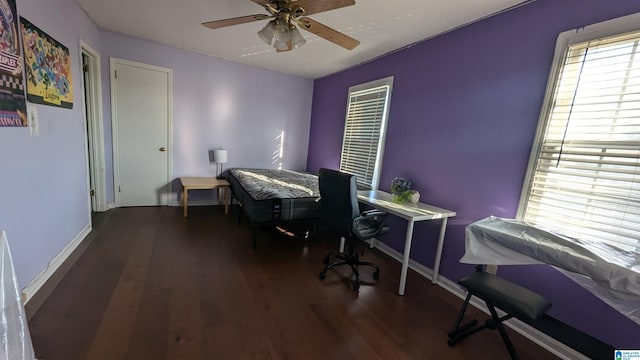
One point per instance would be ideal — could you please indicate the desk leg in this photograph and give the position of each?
(405, 258)
(436, 262)
(185, 191)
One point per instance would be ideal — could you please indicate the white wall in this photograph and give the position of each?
(220, 103)
(44, 202)
(43, 180)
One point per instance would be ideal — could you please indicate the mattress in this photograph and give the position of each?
(275, 196)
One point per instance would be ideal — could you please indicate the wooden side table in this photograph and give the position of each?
(191, 183)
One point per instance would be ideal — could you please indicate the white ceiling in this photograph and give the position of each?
(381, 26)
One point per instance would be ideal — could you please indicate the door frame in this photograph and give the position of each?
(94, 129)
(113, 62)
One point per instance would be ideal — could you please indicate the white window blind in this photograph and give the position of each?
(364, 130)
(586, 179)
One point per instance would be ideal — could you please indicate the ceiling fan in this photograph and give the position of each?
(282, 33)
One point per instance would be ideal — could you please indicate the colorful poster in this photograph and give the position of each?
(13, 108)
(48, 67)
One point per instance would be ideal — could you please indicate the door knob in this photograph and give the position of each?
(162, 149)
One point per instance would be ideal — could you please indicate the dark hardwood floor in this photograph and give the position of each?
(154, 285)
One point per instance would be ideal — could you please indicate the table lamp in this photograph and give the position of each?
(219, 157)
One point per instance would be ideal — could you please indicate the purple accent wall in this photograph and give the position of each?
(464, 111)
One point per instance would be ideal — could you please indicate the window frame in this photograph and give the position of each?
(626, 24)
(377, 166)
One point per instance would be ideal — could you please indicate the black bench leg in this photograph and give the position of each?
(502, 330)
(461, 314)
(460, 332)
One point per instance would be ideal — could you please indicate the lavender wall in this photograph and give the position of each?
(219, 103)
(44, 200)
(43, 180)
(463, 115)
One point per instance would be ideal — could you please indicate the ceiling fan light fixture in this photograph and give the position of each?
(267, 33)
(283, 33)
(282, 45)
(296, 38)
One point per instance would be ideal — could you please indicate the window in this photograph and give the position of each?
(583, 179)
(364, 131)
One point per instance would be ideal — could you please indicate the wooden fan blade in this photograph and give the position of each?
(234, 21)
(316, 6)
(328, 33)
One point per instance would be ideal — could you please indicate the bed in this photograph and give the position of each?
(275, 197)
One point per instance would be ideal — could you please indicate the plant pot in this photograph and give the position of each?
(415, 197)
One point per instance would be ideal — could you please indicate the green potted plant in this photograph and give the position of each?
(401, 190)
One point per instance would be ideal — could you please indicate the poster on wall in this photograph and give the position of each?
(13, 107)
(48, 67)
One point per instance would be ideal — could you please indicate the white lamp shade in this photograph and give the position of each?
(220, 156)
(282, 46)
(296, 38)
(267, 32)
(282, 33)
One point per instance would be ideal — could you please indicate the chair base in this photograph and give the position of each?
(350, 260)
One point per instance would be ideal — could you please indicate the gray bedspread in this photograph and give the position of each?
(263, 184)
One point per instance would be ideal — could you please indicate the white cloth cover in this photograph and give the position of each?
(611, 273)
(16, 341)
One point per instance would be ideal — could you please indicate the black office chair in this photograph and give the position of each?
(340, 212)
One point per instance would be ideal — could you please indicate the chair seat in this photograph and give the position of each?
(511, 298)
(369, 229)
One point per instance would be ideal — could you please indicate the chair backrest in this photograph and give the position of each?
(338, 200)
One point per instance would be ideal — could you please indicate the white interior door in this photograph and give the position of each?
(88, 112)
(94, 126)
(142, 123)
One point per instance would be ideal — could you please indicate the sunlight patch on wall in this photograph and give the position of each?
(278, 154)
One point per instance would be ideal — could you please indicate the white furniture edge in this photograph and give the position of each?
(545, 341)
(54, 264)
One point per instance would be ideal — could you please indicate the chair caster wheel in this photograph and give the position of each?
(355, 286)
(325, 261)
(322, 275)
(376, 274)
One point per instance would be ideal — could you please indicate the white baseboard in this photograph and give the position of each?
(550, 344)
(111, 206)
(54, 264)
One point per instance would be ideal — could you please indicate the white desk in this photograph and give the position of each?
(412, 213)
